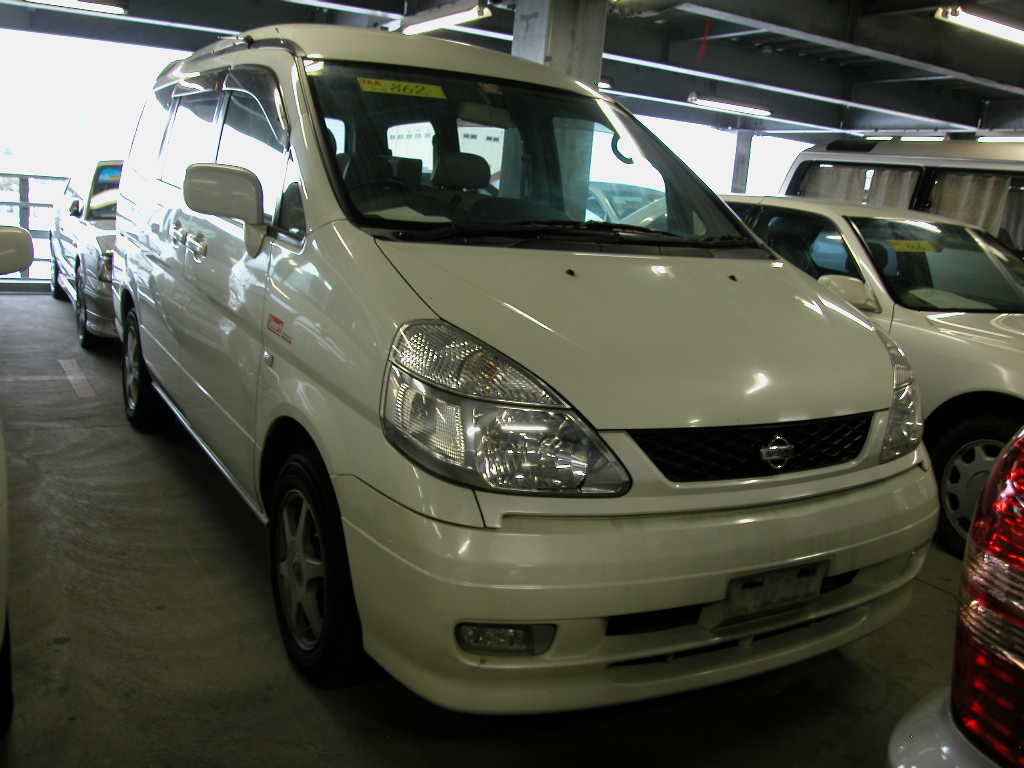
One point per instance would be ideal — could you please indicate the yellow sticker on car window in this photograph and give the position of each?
(401, 88)
(913, 246)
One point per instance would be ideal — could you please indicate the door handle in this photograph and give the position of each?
(177, 233)
(195, 246)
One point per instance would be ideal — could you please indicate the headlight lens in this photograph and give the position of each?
(904, 428)
(468, 413)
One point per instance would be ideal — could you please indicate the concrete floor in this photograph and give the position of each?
(144, 631)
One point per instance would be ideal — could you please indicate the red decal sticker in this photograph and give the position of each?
(276, 326)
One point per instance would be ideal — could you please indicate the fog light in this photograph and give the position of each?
(521, 639)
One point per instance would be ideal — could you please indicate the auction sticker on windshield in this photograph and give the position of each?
(913, 246)
(401, 88)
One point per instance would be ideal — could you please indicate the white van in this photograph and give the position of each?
(979, 183)
(527, 460)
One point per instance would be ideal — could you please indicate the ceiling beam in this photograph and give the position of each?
(920, 43)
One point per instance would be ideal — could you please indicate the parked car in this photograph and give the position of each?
(527, 461)
(15, 256)
(950, 295)
(971, 181)
(82, 242)
(979, 723)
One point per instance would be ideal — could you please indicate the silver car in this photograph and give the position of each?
(82, 242)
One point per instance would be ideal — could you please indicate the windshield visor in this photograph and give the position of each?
(413, 149)
(943, 267)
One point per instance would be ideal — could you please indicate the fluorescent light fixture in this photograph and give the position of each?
(81, 5)
(957, 15)
(604, 84)
(922, 138)
(346, 8)
(1001, 139)
(878, 138)
(727, 106)
(444, 17)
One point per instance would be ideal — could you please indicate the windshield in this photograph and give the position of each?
(943, 267)
(419, 150)
(103, 203)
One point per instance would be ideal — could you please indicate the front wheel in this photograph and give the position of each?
(142, 405)
(312, 585)
(55, 290)
(964, 456)
(86, 338)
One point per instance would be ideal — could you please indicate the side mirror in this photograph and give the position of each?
(851, 289)
(75, 209)
(15, 249)
(230, 192)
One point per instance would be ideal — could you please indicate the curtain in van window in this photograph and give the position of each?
(875, 185)
(892, 187)
(836, 182)
(977, 198)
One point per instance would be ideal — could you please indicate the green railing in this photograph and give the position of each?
(27, 200)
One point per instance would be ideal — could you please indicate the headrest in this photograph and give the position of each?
(791, 227)
(879, 255)
(408, 170)
(462, 170)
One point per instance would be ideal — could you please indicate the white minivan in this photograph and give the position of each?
(528, 459)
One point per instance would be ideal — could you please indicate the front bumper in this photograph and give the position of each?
(416, 578)
(927, 737)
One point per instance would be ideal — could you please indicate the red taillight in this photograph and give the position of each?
(988, 675)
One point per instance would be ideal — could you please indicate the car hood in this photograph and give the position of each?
(653, 341)
(1000, 331)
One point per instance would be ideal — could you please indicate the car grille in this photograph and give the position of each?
(729, 453)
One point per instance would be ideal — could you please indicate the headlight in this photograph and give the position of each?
(903, 431)
(106, 266)
(468, 413)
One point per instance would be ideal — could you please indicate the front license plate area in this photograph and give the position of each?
(771, 591)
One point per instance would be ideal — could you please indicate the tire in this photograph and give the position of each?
(963, 456)
(55, 290)
(86, 339)
(6, 683)
(143, 407)
(310, 577)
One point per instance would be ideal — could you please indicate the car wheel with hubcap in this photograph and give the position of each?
(316, 608)
(964, 456)
(142, 405)
(86, 339)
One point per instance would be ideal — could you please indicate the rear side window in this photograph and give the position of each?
(992, 201)
(145, 152)
(808, 241)
(192, 137)
(248, 141)
(855, 183)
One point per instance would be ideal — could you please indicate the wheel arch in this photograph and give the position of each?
(285, 436)
(963, 406)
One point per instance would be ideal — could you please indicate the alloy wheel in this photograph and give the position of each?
(132, 371)
(301, 574)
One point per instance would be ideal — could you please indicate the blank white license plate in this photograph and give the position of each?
(774, 590)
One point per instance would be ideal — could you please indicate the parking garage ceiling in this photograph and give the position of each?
(822, 67)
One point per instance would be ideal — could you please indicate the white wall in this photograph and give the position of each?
(709, 152)
(770, 160)
(70, 101)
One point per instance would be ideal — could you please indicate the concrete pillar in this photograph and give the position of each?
(565, 34)
(741, 166)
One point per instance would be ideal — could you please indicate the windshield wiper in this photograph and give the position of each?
(628, 233)
(723, 241)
